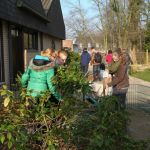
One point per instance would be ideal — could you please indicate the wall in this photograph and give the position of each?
(58, 44)
(39, 41)
(47, 42)
(6, 51)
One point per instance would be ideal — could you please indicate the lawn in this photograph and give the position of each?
(144, 75)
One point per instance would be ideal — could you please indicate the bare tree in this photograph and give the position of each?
(119, 22)
(102, 24)
(78, 23)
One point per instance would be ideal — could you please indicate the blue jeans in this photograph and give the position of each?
(84, 69)
(121, 96)
(96, 72)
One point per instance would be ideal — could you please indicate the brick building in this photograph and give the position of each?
(68, 43)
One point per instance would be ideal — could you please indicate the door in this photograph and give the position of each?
(16, 53)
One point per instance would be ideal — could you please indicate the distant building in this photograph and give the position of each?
(68, 43)
(33, 25)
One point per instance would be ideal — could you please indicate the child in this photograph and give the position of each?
(106, 78)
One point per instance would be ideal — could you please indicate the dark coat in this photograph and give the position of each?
(85, 58)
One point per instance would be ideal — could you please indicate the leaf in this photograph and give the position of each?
(2, 138)
(26, 103)
(9, 144)
(4, 87)
(9, 135)
(6, 101)
(3, 93)
(51, 147)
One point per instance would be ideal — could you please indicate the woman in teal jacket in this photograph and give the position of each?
(38, 77)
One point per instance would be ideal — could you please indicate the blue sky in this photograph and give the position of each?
(66, 8)
(87, 5)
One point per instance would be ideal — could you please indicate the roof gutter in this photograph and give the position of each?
(22, 4)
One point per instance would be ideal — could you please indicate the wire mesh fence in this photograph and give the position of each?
(138, 96)
(141, 57)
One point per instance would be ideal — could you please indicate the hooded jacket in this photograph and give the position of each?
(38, 77)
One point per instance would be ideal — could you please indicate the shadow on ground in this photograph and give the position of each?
(139, 127)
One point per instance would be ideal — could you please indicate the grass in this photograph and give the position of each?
(144, 75)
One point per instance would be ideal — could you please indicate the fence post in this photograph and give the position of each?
(147, 57)
(25, 59)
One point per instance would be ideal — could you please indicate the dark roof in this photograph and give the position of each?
(46, 4)
(56, 25)
(35, 4)
(31, 14)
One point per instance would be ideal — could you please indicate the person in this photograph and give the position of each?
(106, 78)
(92, 50)
(120, 79)
(85, 59)
(109, 57)
(96, 61)
(49, 53)
(128, 59)
(39, 74)
(58, 56)
(114, 65)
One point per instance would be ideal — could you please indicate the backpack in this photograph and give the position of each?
(98, 57)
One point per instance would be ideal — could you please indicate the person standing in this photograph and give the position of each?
(109, 57)
(96, 61)
(85, 59)
(38, 76)
(120, 79)
(91, 51)
(128, 59)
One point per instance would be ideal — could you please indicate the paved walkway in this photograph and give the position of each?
(139, 127)
(133, 80)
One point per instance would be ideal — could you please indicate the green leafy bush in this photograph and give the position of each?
(27, 123)
(105, 128)
(69, 79)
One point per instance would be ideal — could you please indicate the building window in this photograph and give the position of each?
(53, 44)
(30, 40)
(25, 40)
(1, 56)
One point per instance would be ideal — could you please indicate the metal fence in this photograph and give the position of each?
(138, 96)
(141, 57)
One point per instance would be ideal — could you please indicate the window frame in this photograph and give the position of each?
(33, 36)
(53, 44)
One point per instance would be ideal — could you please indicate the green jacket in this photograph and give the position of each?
(38, 79)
